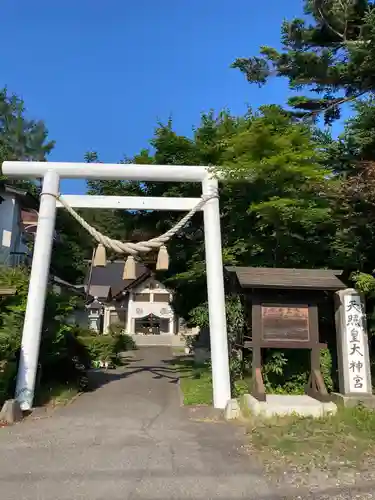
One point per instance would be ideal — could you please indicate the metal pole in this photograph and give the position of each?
(216, 297)
(33, 323)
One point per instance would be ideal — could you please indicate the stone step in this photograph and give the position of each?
(159, 340)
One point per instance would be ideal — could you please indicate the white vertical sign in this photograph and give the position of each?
(355, 340)
(7, 238)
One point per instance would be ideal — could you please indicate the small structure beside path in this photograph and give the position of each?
(11, 412)
(283, 310)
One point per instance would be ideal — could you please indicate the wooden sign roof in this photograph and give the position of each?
(283, 278)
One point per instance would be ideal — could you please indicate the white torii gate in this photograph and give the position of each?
(52, 172)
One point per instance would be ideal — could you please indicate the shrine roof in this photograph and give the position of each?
(102, 280)
(284, 278)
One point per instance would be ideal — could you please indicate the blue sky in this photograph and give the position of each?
(101, 74)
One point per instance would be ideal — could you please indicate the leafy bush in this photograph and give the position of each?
(99, 348)
(188, 341)
(126, 342)
(8, 372)
(123, 341)
(287, 371)
(199, 316)
(235, 329)
(61, 356)
(284, 371)
(80, 331)
(240, 387)
(116, 329)
(107, 347)
(63, 359)
(326, 367)
(66, 351)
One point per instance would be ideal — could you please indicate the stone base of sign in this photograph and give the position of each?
(232, 410)
(284, 405)
(352, 401)
(11, 412)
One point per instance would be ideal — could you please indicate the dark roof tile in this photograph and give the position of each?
(310, 279)
(111, 275)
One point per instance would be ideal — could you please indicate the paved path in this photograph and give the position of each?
(129, 439)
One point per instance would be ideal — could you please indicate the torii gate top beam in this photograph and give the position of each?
(106, 171)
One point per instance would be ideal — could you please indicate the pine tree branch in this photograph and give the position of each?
(324, 19)
(337, 102)
(345, 10)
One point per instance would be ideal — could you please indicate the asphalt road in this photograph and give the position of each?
(128, 439)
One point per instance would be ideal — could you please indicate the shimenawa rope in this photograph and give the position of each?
(134, 249)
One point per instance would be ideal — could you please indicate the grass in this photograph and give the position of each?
(178, 350)
(55, 394)
(195, 381)
(346, 439)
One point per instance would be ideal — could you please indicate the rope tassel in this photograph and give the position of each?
(129, 269)
(162, 264)
(100, 257)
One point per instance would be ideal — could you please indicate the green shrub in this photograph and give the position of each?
(116, 329)
(125, 342)
(99, 348)
(236, 327)
(284, 371)
(8, 373)
(287, 371)
(9, 344)
(107, 347)
(80, 331)
(62, 358)
(240, 387)
(326, 367)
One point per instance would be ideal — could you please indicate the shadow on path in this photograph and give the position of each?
(172, 369)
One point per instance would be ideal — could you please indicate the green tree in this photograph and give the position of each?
(72, 248)
(273, 204)
(58, 346)
(330, 54)
(328, 58)
(20, 137)
(283, 163)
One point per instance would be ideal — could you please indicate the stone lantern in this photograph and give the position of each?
(95, 314)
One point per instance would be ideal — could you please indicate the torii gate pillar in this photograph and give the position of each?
(51, 174)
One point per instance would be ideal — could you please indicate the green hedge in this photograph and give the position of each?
(106, 347)
(66, 351)
(8, 373)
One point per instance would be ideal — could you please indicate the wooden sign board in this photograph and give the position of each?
(285, 323)
(284, 315)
